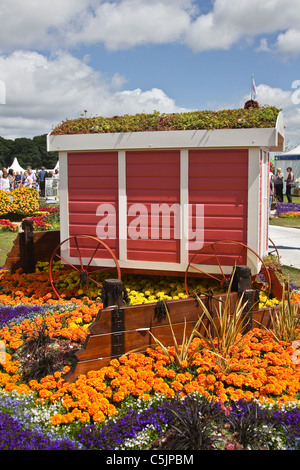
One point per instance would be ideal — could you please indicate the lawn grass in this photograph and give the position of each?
(293, 222)
(293, 275)
(6, 243)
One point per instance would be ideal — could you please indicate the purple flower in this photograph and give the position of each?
(282, 207)
(14, 437)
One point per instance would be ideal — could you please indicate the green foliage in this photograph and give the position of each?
(182, 352)
(224, 336)
(195, 425)
(223, 119)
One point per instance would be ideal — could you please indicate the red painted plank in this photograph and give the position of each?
(94, 158)
(213, 196)
(151, 256)
(90, 195)
(219, 180)
(153, 177)
(92, 181)
(220, 186)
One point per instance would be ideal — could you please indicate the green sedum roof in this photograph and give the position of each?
(262, 117)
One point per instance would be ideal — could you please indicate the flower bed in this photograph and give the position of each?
(290, 214)
(7, 226)
(283, 208)
(39, 409)
(20, 201)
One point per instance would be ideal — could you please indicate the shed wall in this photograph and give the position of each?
(214, 178)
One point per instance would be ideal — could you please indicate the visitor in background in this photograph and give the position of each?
(11, 177)
(278, 181)
(4, 181)
(28, 180)
(32, 175)
(18, 180)
(23, 177)
(289, 182)
(41, 180)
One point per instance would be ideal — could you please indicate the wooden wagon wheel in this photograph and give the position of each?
(213, 256)
(84, 275)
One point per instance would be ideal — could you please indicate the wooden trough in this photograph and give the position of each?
(120, 329)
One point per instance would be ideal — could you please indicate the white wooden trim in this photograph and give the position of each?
(122, 205)
(63, 196)
(218, 138)
(147, 265)
(253, 199)
(184, 204)
(264, 202)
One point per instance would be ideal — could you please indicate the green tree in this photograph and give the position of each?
(48, 159)
(27, 152)
(5, 152)
(32, 152)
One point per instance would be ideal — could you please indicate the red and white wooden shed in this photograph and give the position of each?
(223, 172)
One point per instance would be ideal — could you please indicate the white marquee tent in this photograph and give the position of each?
(16, 166)
(289, 159)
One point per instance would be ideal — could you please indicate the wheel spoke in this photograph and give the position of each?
(67, 262)
(93, 255)
(94, 280)
(203, 272)
(78, 251)
(217, 258)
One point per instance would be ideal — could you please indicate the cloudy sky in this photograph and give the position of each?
(62, 58)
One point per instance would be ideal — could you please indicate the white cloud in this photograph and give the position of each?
(230, 21)
(61, 86)
(123, 24)
(289, 42)
(29, 23)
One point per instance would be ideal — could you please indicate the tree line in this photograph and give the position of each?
(31, 152)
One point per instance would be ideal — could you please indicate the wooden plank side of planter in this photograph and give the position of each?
(44, 245)
(262, 318)
(138, 322)
(144, 316)
(102, 345)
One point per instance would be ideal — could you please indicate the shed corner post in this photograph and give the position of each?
(254, 199)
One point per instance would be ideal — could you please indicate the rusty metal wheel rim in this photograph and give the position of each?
(222, 277)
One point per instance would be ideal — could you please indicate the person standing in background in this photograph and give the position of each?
(278, 181)
(11, 177)
(28, 180)
(41, 179)
(4, 181)
(289, 181)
